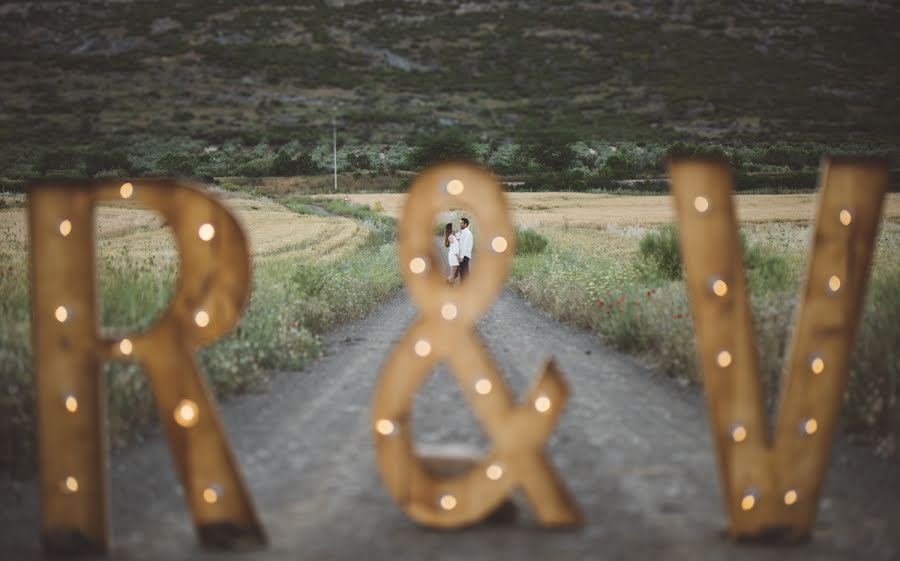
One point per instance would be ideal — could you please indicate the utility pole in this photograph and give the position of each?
(334, 136)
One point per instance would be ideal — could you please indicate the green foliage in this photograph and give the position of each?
(177, 163)
(509, 159)
(766, 270)
(448, 144)
(660, 260)
(293, 303)
(97, 161)
(651, 316)
(290, 162)
(64, 162)
(530, 242)
(660, 254)
(793, 157)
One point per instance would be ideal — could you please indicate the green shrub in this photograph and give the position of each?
(509, 159)
(660, 255)
(449, 144)
(660, 259)
(176, 163)
(766, 270)
(552, 154)
(529, 242)
(12, 185)
(97, 161)
(619, 166)
(260, 167)
(63, 162)
(290, 163)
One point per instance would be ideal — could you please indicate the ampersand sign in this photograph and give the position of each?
(444, 331)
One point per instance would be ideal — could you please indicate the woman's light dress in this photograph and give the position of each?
(453, 252)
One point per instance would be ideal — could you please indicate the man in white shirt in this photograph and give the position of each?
(466, 241)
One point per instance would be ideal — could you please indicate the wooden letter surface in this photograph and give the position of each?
(444, 331)
(771, 488)
(212, 289)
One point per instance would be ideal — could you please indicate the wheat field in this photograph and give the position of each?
(274, 232)
(600, 209)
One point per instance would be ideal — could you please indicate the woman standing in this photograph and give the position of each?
(452, 243)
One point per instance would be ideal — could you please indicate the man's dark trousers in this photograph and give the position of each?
(463, 269)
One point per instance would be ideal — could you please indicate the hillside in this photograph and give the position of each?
(105, 73)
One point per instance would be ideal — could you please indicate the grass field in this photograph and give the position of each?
(310, 271)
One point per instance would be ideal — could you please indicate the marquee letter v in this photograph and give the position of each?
(771, 484)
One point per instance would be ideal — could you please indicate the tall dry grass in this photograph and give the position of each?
(310, 272)
(597, 279)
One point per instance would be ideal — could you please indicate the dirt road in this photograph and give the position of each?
(632, 445)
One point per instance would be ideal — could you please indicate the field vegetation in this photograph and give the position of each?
(624, 282)
(311, 270)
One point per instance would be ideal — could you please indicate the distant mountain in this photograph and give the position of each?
(85, 70)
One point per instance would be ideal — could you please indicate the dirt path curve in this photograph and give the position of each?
(633, 447)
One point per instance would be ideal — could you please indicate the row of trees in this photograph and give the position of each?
(537, 153)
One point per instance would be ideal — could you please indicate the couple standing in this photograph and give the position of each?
(459, 251)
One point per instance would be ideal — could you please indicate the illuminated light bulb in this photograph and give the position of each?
(542, 404)
(499, 244)
(809, 426)
(201, 318)
(211, 494)
(790, 497)
(384, 427)
(71, 402)
(126, 190)
(70, 485)
(455, 187)
(417, 265)
(738, 433)
(206, 232)
(422, 348)
(723, 359)
(846, 217)
(62, 314)
(448, 502)
(701, 204)
(720, 287)
(483, 386)
(448, 312)
(748, 501)
(186, 413)
(65, 228)
(834, 283)
(816, 364)
(494, 472)
(126, 346)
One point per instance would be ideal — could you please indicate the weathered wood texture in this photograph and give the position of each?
(771, 483)
(212, 289)
(444, 331)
